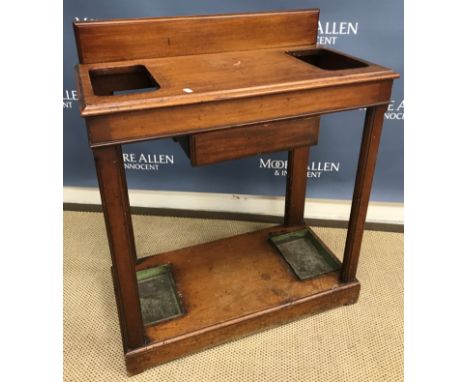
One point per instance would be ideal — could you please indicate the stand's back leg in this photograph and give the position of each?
(296, 186)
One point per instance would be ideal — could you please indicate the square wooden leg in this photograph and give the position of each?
(362, 189)
(296, 186)
(114, 195)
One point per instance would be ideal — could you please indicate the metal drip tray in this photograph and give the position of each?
(158, 295)
(305, 254)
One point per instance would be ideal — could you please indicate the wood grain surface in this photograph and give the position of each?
(142, 125)
(231, 287)
(222, 145)
(219, 76)
(117, 40)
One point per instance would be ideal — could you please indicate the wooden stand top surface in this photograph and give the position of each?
(201, 59)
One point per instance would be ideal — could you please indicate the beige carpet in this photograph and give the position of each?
(361, 342)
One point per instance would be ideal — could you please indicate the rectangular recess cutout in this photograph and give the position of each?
(305, 254)
(326, 59)
(159, 299)
(122, 80)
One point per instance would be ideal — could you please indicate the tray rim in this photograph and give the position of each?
(158, 270)
(321, 247)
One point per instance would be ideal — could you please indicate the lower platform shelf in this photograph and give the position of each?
(230, 288)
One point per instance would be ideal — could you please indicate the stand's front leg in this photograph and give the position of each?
(114, 196)
(362, 189)
(296, 186)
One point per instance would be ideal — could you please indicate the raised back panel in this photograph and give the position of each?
(128, 39)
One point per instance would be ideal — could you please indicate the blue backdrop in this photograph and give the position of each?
(369, 29)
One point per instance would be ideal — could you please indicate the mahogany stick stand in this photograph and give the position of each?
(233, 97)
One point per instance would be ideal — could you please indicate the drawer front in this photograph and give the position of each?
(240, 142)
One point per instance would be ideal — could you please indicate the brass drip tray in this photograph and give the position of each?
(305, 254)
